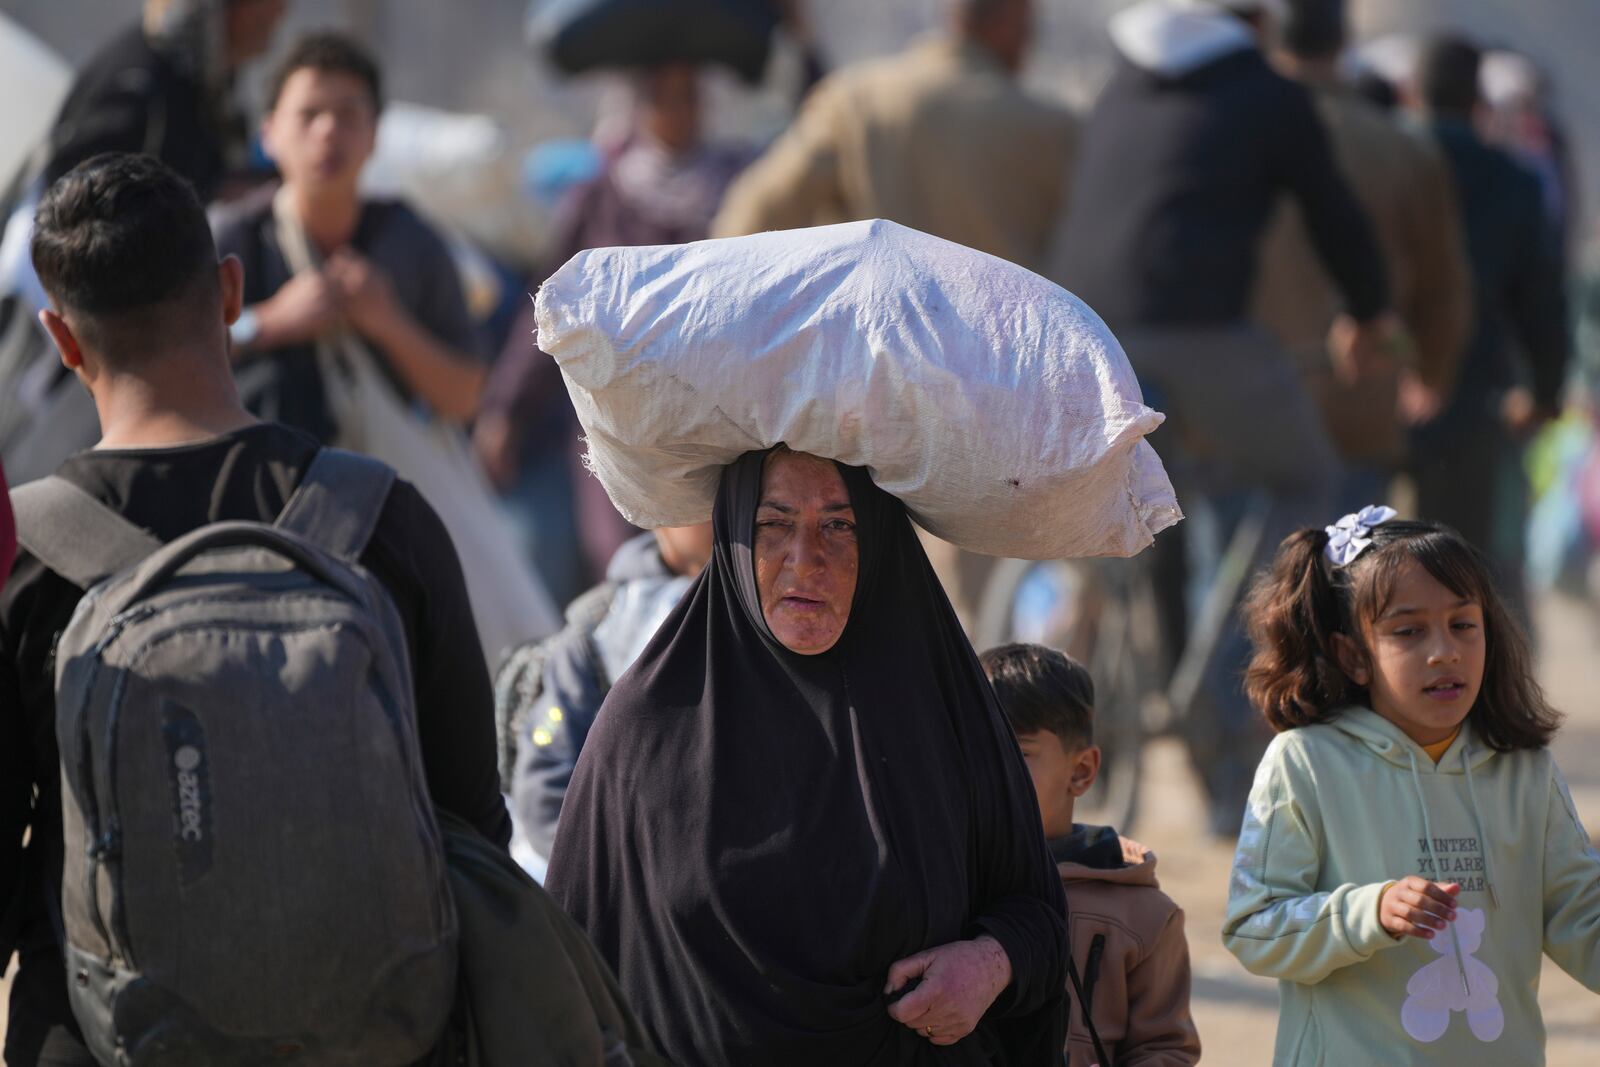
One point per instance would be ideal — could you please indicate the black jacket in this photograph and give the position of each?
(129, 98)
(1179, 168)
(1521, 330)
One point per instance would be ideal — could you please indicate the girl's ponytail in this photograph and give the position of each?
(1292, 613)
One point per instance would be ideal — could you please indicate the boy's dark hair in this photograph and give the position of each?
(1295, 610)
(1041, 689)
(1314, 29)
(120, 235)
(1447, 75)
(330, 53)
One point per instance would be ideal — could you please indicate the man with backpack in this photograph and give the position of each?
(280, 677)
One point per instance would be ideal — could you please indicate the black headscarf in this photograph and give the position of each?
(752, 837)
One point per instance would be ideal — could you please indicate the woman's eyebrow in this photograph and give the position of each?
(775, 506)
(837, 507)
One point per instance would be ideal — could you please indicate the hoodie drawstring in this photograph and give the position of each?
(1427, 828)
(1483, 842)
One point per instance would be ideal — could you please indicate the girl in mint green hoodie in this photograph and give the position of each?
(1409, 848)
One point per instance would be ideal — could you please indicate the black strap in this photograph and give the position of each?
(75, 535)
(338, 502)
(1083, 1003)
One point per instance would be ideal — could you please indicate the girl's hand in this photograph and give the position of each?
(958, 983)
(1416, 907)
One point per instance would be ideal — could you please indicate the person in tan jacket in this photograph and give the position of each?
(1403, 183)
(1125, 935)
(941, 138)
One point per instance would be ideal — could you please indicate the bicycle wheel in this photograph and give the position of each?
(1068, 605)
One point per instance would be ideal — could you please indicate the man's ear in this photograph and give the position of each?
(1085, 769)
(61, 333)
(230, 279)
(1352, 659)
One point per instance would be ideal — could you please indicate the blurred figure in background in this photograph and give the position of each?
(382, 272)
(942, 138)
(1467, 463)
(355, 328)
(1521, 119)
(8, 530)
(660, 183)
(165, 88)
(1401, 180)
(555, 688)
(1184, 158)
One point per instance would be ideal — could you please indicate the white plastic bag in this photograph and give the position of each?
(509, 604)
(994, 403)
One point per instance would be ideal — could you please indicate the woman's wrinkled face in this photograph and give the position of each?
(806, 555)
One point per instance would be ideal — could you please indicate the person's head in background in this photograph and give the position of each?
(1312, 37)
(321, 123)
(1446, 82)
(668, 105)
(225, 34)
(1518, 110)
(1048, 698)
(1262, 16)
(685, 549)
(1003, 28)
(1376, 89)
(139, 304)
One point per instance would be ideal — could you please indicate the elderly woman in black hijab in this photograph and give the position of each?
(801, 831)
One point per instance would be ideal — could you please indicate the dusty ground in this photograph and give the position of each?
(1236, 1011)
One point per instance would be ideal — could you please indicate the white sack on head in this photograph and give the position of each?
(994, 403)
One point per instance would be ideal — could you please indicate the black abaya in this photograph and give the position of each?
(752, 837)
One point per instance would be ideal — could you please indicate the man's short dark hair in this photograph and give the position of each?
(1315, 29)
(119, 235)
(330, 53)
(1041, 689)
(1447, 75)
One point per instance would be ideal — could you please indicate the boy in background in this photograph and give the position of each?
(1125, 934)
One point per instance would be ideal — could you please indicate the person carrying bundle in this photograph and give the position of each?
(801, 830)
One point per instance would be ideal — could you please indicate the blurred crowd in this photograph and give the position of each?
(1349, 272)
(942, 138)
(1376, 283)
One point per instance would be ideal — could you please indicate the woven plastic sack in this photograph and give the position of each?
(994, 403)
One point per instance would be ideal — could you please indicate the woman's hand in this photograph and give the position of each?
(958, 983)
(1416, 907)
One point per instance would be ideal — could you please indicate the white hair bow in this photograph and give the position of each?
(1351, 535)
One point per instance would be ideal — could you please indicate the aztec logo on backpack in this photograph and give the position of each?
(254, 873)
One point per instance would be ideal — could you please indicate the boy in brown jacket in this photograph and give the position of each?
(1126, 935)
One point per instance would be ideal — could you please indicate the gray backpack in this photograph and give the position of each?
(254, 874)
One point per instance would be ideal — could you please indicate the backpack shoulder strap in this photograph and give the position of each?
(74, 534)
(338, 501)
